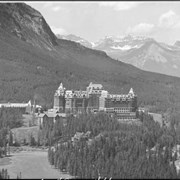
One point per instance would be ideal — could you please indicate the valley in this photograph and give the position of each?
(28, 72)
(85, 131)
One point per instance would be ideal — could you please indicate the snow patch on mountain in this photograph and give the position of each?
(80, 41)
(126, 47)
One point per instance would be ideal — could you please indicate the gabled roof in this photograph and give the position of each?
(61, 87)
(95, 86)
(52, 114)
(131, 91)
(42, 115)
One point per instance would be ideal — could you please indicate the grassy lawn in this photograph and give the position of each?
(31, 164)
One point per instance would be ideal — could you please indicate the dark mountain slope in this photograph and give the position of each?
(72, 37)
(27, 72)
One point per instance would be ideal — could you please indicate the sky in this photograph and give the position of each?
(95, 20)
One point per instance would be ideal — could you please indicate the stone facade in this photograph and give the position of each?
(94, 99)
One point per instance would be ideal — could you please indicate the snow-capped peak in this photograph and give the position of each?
(110, 43)
(117, 43)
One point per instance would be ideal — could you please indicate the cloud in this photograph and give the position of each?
(169, 20)
(47, 5)
(52, 6)
(56, 8)
(177, 25)
(58, 30)
(120, 6)
(141, 29)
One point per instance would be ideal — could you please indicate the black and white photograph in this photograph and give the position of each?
(89, 89)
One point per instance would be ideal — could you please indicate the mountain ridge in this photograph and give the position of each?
(142, 52)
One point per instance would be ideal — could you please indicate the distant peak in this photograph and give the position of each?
(177, 43)
(129, 37)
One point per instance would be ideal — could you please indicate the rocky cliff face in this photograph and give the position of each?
(27, 24)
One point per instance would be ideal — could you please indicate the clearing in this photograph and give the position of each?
(157, 118)
(31, 164)
(28, 162)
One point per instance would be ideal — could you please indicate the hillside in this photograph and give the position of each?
(142, 52)
(72, 37)
(29, 71)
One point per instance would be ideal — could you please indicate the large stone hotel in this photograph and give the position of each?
(95, 99)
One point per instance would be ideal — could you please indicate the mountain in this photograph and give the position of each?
(142, 52)
(27, 24)
(177, 44)
(152, 56)
(33, 66)
(72, 37)
(111, 44)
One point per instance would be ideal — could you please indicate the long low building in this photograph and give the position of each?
(25, 107)
(15, 105)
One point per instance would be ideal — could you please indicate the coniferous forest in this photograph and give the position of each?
(9, 118)
(111, 149)
(97, 145)
(4, 174)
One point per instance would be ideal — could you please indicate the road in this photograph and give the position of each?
(32, 164)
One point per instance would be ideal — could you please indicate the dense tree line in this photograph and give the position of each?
(114, 149)
(4, 174)
(9, 118)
